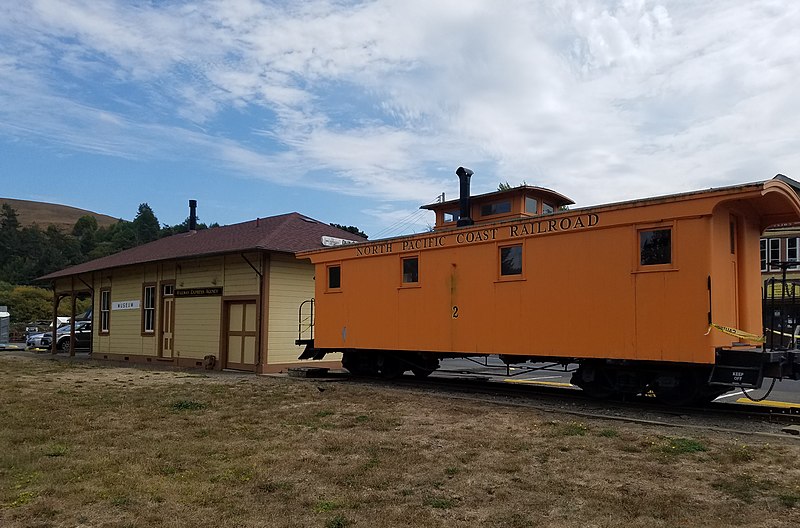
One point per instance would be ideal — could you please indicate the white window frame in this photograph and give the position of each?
(773, 251)
(792, 253)
(149, 309)
(105, 311)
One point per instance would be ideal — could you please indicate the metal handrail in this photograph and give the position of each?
(307, 320)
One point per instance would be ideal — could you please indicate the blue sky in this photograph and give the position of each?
(359, 112)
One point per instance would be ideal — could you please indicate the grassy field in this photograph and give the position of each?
(91, 445)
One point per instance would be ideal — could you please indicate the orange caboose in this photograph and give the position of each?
(639, 294)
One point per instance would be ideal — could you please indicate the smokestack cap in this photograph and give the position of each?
(463, 171)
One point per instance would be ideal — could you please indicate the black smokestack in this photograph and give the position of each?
(192, 215)
(464, 202)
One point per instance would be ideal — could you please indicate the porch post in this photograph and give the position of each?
(56, 300)
(72, 318)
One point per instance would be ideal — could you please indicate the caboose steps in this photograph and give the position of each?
(746, 367)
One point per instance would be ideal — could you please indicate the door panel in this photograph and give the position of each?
(234, 349)
(241, 342)
(249, 350)
(236, 316)
(167, 326)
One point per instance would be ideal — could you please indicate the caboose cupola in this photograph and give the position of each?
(519, 202)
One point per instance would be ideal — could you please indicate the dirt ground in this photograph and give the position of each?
(91, 445)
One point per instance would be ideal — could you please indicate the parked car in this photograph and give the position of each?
(37, 327)
(35, 340)
(83, 337)
(44, 325)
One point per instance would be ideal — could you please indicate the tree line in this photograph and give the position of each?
(29, 252)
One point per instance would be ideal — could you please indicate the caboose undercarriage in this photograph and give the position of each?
(671, 383)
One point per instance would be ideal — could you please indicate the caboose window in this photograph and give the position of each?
(451, 216)
(511, 260)
(334, 277)
(547, 208)
(655, 247)
(531, 205)
(496, 208)
(410, 270)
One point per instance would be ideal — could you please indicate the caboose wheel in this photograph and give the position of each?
(389, 366)
(593, 380)
(421, 372)
(360, 364)
(679, 388)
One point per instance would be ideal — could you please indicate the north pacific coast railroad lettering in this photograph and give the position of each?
(518, 230)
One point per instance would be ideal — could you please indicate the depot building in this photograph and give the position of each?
(223, 298)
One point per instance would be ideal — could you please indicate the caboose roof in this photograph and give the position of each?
(776, 201)
(558, 199)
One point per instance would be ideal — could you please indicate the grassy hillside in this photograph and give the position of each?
(45, 214)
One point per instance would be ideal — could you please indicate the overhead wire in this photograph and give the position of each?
(408, 220)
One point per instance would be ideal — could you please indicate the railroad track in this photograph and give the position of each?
(758, 420)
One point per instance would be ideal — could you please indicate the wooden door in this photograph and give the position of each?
(167, 327)
(241, 335)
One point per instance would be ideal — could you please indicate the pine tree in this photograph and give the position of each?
(146, 225)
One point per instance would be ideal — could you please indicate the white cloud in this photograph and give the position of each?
(601, 100)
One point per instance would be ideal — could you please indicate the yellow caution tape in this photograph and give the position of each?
(741, 334)
(779, 333)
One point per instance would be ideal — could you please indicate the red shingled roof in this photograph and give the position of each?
(287, 233)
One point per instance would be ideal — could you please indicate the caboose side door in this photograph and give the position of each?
(734, 263)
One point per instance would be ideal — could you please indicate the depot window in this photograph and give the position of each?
(411, 270)
(334, 277)
(792, 247)
(496, 208)
(511, 260)
(105, 311)
(774, 250)
(149, 309)
(655, 247)
(771, 252)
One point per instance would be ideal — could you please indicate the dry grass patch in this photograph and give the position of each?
(90, 445)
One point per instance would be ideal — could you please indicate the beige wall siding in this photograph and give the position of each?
(240, 278)
(100, 344)
(126, 325)
(200, 272)
(291, 281)
(197, 324)
(198, 319)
